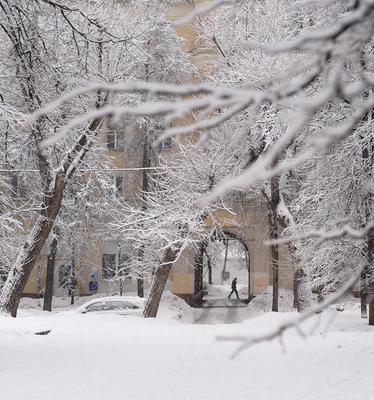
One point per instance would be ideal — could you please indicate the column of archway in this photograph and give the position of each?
(199, 264)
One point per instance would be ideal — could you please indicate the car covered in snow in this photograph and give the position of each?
(127, 305)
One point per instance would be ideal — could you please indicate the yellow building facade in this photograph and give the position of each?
(248, 225)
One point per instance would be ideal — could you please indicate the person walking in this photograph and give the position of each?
(233, 288)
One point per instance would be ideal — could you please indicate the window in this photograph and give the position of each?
(167, 144)
(64, 273)
(160, 130)
(114, 259)
(116, 137)
(238, 195)
(124, 259)
(160, 182)
(100, 306)
(120, 305)
(116, 189)
(111, 305)
(109, 265)
(118, 181)
(18, 186)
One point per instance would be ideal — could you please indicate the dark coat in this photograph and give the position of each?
(233, 284)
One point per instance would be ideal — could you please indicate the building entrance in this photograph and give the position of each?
(219, 262)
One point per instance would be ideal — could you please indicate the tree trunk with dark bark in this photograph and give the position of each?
(19, 274)
(210, 269)
(297, 279)
(226, 242)
(73, 280)
(121, 286)
(53, 193)
(369, 272)
(158, 284)
(51, 258)
(363, 294)
(140, 279)
(275, 198)
(275, 281)
(371, 311)
(140, 286)
(199, 266)
(146, 163)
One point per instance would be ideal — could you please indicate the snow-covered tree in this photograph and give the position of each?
(327, 48)
(226, 32)
(46, 48)
(168, 220)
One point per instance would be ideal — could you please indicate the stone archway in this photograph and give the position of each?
(219, 259)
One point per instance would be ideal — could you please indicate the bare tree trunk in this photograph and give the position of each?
(140, 279)
(298, 276)
(140, 286)
(369, 271)
(199, 266)
(210, 271)
(371, 312)
(226, 241)
(145, 187)
(51, 258)
(52, 198)
(275, 270)
(274, 184)
(72, 281)
(26, 259)
(371, 309)
(158, 284)
(363, 294)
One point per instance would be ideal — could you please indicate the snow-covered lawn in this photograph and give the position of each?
(109, 356)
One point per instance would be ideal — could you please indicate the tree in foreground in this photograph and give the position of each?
(168, 221)
(321, 80)
(46, 48)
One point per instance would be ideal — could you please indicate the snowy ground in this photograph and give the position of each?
(177, 356)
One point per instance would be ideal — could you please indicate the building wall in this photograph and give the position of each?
(250, 223)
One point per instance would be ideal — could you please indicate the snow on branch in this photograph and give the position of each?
(324, 234)
(262, 170)
(213, 106)
(204, 10)
(315, 39)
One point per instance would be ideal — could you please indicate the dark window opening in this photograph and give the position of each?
(116, 137)
(64, 274)
(108, 265)
(18, 186)
(119, 185)
(167, 144)
(160, 182)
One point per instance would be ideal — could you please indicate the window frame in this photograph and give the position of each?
(68, 268)
(108, 273)
(17, 186)
(167, 144)
(121, 255)
(117, 132)
(118, 185)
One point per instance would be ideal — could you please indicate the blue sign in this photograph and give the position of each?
(92, 286)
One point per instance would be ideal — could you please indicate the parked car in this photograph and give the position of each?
(127, 305)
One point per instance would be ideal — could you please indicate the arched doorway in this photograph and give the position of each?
(220, 259)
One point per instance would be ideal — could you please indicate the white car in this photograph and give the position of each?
(127, 305)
